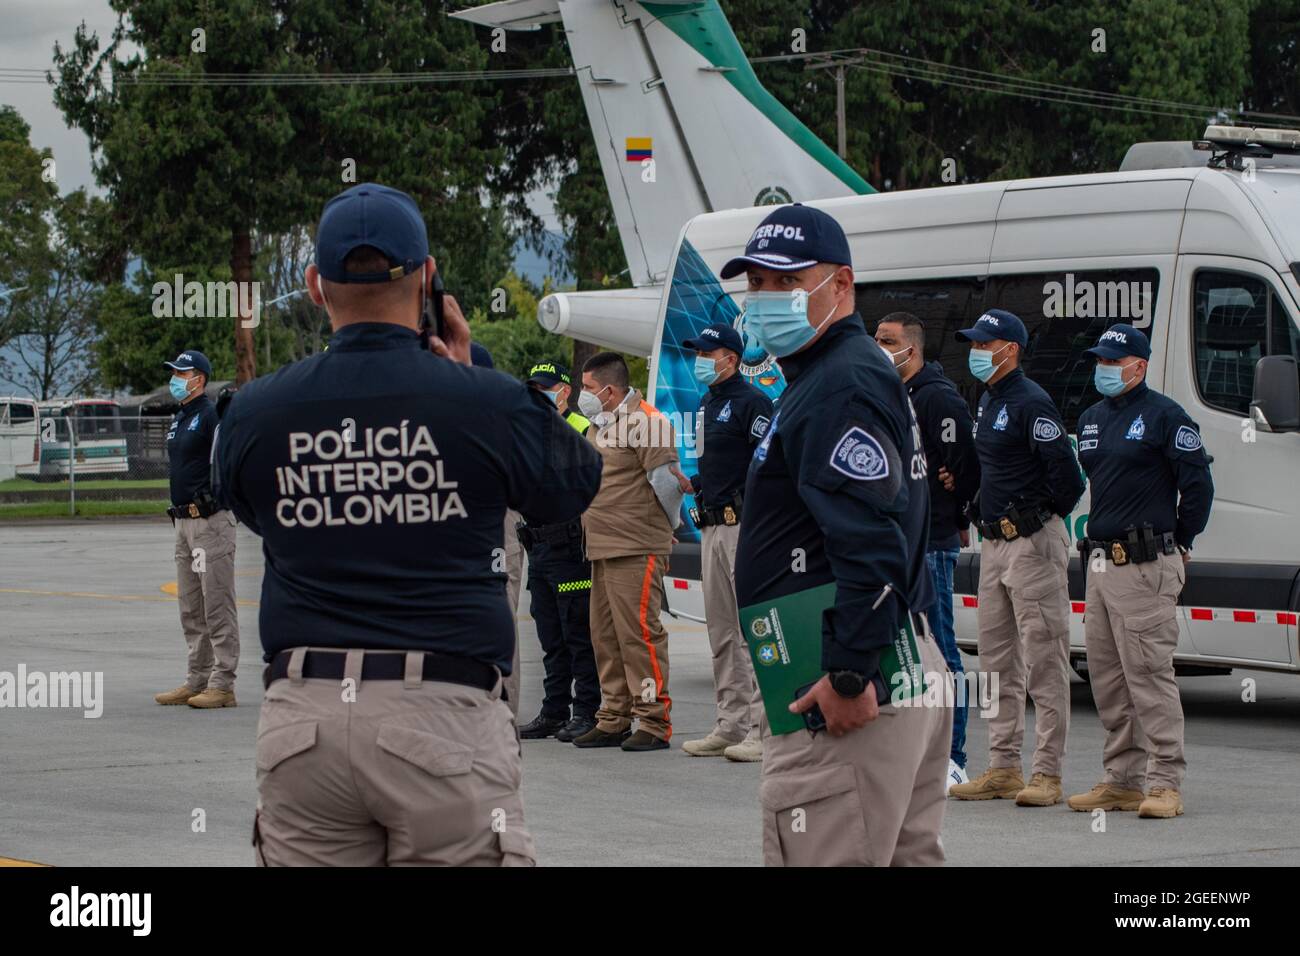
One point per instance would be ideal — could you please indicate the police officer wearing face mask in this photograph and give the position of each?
(559, 582)
(205, 544)
(380, 494)
(836, 493)
(1151, 496)
(1029, 481)
(732, 420)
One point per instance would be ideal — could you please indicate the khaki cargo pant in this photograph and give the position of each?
(1024, 637)
(630, 644)
(874, 797)
(739, 705)
(1131, 630)
(205, 591)
(514, 576)
(410, 773)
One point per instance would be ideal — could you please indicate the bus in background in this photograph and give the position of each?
(20, 438)
(94, 426)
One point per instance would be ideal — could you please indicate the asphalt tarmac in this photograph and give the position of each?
(149, 785)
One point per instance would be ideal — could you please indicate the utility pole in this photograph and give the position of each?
(841, 120)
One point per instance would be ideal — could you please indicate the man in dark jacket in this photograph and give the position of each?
(954, 479)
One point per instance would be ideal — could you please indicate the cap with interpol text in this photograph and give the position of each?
(369, 214)
(996, 324)
(549, 374)
(791, 238)
(720, 335)
(191, 360)
(1119, 341)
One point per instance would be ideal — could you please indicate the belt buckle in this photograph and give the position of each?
(729, 515)
(1008, 529)
(1118, 553)
(194, 509)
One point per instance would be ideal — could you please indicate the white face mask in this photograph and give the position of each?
(893, 356)
(590, 405)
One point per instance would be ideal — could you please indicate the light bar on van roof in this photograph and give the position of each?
(1254, 135)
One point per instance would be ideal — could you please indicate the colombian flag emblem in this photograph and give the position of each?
(639, 148)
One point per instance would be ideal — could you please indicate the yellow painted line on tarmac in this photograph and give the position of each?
(10, 861)
(108, 597)
(170, 588)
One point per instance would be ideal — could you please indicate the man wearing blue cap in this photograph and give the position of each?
(205, 544)
(1029, 482)
(836, 496)
(378, 476)
(732, 420)
(1151, 496)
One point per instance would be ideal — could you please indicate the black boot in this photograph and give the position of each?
(541, 727)
(599, 738)
(575, 729)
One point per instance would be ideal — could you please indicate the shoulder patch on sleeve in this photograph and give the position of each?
(1046, 430)
(1187, 439)
(759, 428)
(859, 456)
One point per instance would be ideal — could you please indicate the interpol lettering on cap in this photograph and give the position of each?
(1120, 341)
(372, 215)
(791, 238)
(189, 360)
(715, 336)
(996, 324)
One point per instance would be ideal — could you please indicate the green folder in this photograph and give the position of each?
(785, 644)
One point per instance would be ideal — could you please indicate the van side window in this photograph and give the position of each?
(1237, 320)
(21, 412)
(1064, 314)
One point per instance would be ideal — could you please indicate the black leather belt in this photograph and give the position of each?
(1138, 548)
(726, 515)
(1015, 525)
(192, 510)
(552, 534)
(385, 665)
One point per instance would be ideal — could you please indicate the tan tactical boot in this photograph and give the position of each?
(749, 750)
(181, 695)
(1162, 802)
(710, 746)
(212, 698)
(1105, 796)
(1043, 791)
(998, 783)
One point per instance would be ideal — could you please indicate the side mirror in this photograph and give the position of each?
(1276, 403)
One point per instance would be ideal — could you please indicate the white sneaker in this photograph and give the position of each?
(955, 776)
(749, 750)
(710, 746)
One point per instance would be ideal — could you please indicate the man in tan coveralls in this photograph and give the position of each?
(1151, 496)
(629, 535)
(205, 545)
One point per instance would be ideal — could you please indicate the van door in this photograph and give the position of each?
(19, 438)
(1240, 592)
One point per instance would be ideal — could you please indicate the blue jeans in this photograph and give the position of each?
(942, 564)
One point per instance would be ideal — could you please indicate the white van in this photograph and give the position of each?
(20, 438)
(1206, 259)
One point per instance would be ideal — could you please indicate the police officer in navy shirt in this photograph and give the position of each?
(378, 476)
(732, 420)
(1151, 495)
(205, 544)
(836, 493)
(1029, 481)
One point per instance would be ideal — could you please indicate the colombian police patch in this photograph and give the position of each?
(1137, 429)
(860, 456)
(194, 424)
(760, 452)
(1187, 439)
(1000, 423)
(759, 428)
(1046, 430)
(725, 414)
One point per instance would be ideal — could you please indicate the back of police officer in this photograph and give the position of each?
(733, 418)
(836, 492)
(380, 494)
(1151, 496)
(1029, 481)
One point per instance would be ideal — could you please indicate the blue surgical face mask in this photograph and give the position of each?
(706, 370)
(981, 363)
(554, 397)
(779, 320)
(1109, 379)
(179, 387)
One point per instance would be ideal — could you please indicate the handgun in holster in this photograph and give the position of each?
(525, 535)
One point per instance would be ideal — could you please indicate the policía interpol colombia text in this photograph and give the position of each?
(393, 473)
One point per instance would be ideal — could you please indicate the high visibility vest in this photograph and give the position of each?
(578, 422)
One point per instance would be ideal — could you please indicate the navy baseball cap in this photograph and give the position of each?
(371, 215)
(549, 374)
(190, 360)
(479, 356)
(1119, 341)
(996, 324)
(720, 335)
(792, 238)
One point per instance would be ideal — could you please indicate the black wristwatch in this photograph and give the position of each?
(847, 683)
